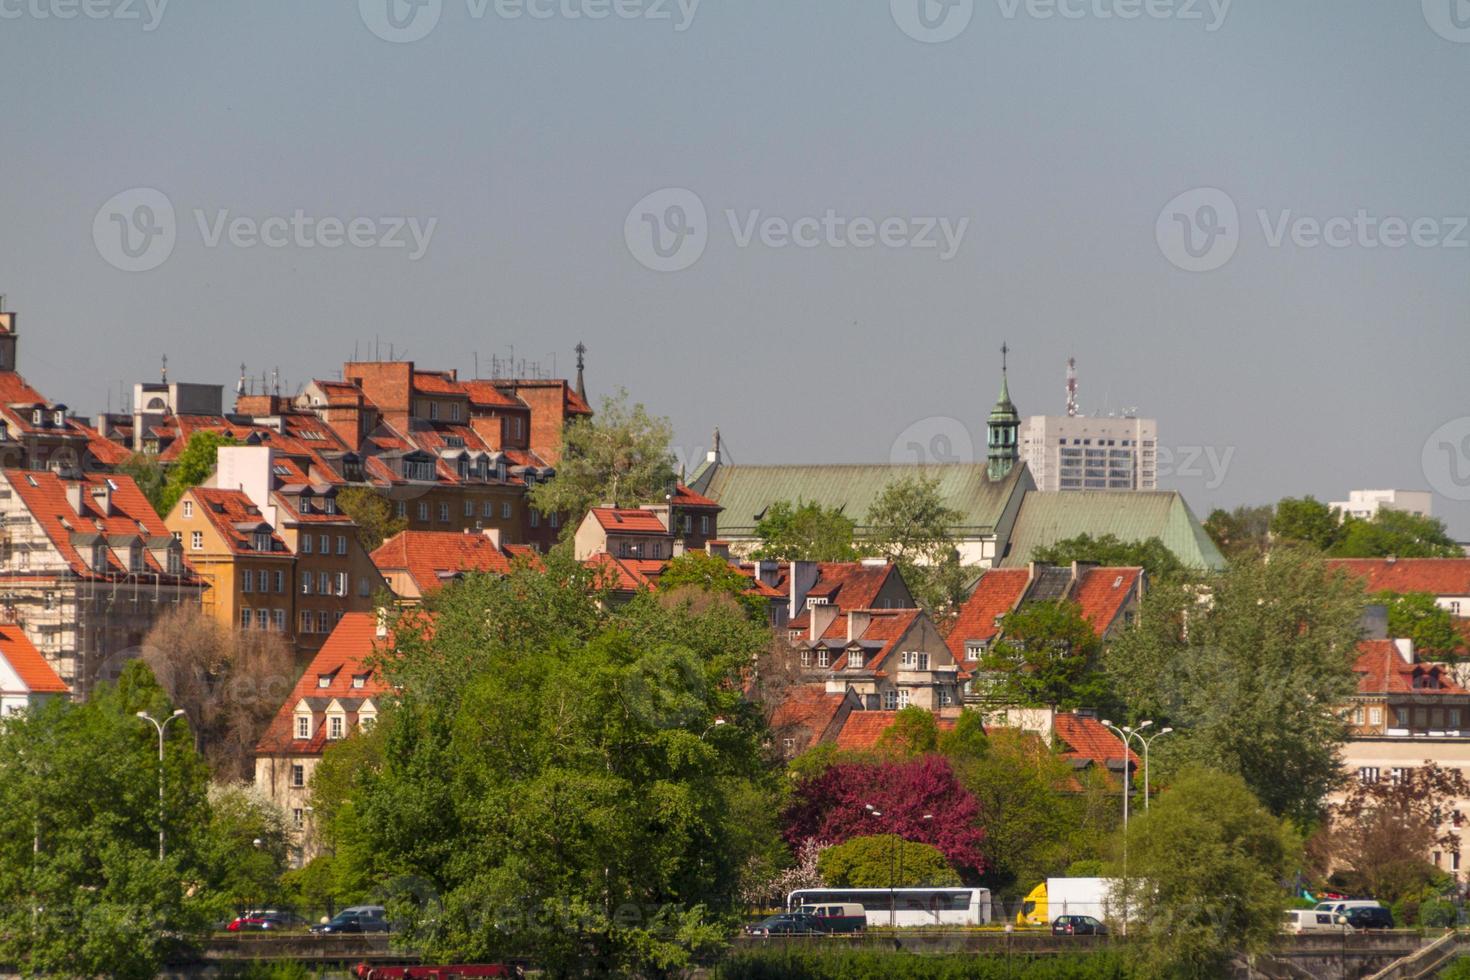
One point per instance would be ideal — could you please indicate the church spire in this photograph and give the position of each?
(1003, 427)
(581, 356)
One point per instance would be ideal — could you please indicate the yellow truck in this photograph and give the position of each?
(1065, 896)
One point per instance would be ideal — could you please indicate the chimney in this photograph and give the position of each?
(1374, 622)
(493, 533)
(102, 498)
(249, 469)
(679, 548)
(74, 496)
(858, 621)
(661, 511)
(1405, 648)
(802, 577)
(822, 617)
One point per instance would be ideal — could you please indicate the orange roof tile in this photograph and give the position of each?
(808, 707)
(430, 558)
(995, 594)
(863, 729)
(26, 661)
(340, 659)
(1103, 592)
(225, 509)
(1382, 670)
(1438, 576)
(624, 520)
(1087, 738)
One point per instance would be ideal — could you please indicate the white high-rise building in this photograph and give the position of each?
(1367, 503)
(1066, 452)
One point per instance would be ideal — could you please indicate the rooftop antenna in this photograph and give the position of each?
(1071, 387)
(240, 385)
(163, 373)
(276, 381)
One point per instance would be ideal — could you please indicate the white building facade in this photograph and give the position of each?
(1081, 452)
(1366, 504)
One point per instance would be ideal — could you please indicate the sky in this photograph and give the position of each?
(810, 224)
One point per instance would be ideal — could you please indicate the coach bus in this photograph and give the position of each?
(904, 907)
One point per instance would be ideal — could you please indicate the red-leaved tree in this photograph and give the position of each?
(834, 806)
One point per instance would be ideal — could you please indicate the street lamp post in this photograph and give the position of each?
(1124, 734)
(892, 895)
(160, 725)
(1147, 743)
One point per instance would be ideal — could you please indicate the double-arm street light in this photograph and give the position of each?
(160, 725)
(892, 878)
(1147, 741)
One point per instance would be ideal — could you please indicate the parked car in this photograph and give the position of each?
(1077, 925)
(358, 918)
(838, 916)
(266, 920)
(1299, 921)
(1339, 906)
(786, 924)
(1369, 917)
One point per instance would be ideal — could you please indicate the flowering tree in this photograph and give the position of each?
(773, 889)
(860, 799)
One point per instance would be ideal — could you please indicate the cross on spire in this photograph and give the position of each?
(1004, 350)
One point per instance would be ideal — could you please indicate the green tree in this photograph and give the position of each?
(148, 473)
(373, 514)
(805, 532)
(885, 861)
(1047, 654)
(1242, 531)
(1152, 555)
(967, 739)
(1251, 668)
(909, 524)
(82, 889)
(1202, 879)
(192, 467)
(712, 574)
(1306, 520)
(914, 732)
(1419, 617)
(621, 456)
(572, 782)
(246, 847)
(1395, 534)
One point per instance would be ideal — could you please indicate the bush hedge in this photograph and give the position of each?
(795, 964)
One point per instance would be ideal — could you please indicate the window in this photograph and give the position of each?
(974, 649)
(704, 524)
(890, 700)
(306, 583)
(469, 508)
(687, 523)
(263, 619)
(505, 510)
(330, 505)
(434, 411)
(306, 621)
(303, 726)
(423, 510)
(555, 519)
(535, 517)
(855, 659)
(244, 619)
(904, 694)
(247, 581)
(280, 581)
(824, 658)
(359, 680)
(806, 658)
(306, 544)
(262, 541)
(945, 698)
(1375, 716)
(341, 544)
(366, 719)
(298, 772)
(323, 621)
(175, 563)
(326, 544)
(400, 508)
(443, 513)
(1396, 776)
(1357, 716)
(341, 583)
(487, 509)
(196, 540)
(188, 508)
(454, 411)
(298, 818)
(913, 660)
(336, 726)
(278, 620)
(364, 587)
(324, 583)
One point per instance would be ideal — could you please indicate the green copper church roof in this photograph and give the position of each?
(1049, 517)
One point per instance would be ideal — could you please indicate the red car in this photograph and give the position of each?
(266, 921)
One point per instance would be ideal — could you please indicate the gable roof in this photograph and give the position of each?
(26, 661)
(1102, 592)
(864, 729)
(997, 593)
(1131, 516)
(628, 520)
(1084, 737)
(1381, 669)
(1437, 576)
(747, 492)
(809, 708)
(886, 627)
(235, 518)
(341, 658)
(432, 557)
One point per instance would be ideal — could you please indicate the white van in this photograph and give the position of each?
(1342, 905)
(1298, 921)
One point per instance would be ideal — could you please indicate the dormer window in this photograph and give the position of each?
(305, 507)
(336, 726)
(855, 659)
(262, 541)
(135, 559)
(329, 505)
(37, 417)
(817, 601)
(324, 681)
(824, 658)
(58, 419)
(359, 681)
(175, 562)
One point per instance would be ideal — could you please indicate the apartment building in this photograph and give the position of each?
(1065, 452)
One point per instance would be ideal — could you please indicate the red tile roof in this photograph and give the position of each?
(430, 558)
(886, 628)
(1382, 670)
(1103, 592)
(863, 729)
(225, 509)
(625, 574)
(26, 661)
(1087, 738)
(684, 497)
(807, 707)
(1438, 576)
(995, 594)
(484, 394)
(44, 495)
(624, 520)
(340, 659)
(435, 383)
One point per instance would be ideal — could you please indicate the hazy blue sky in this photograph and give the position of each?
(1053, 143)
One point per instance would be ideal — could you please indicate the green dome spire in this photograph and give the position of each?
(1003, 427)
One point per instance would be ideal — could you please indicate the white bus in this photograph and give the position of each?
(904, 906)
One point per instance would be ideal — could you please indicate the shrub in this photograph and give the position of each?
(1406, 911)
(1438, 914)
(804, 964)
